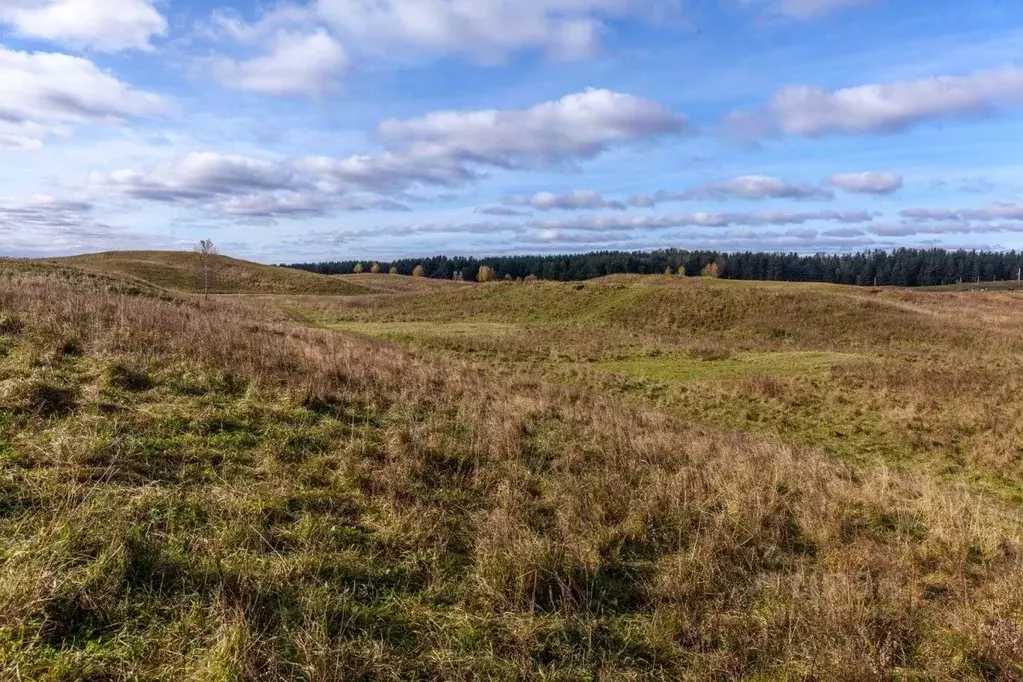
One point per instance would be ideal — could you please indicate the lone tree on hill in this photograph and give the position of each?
(206, 268)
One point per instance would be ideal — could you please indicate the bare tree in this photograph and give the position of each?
(206, 269)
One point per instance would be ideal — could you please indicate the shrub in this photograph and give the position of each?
(485, 274)
(357, 269)
(393, 271)
(419, 271)
(681, 271)
(375, 269)
(711, 270)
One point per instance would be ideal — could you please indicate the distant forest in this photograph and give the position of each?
(901, 267)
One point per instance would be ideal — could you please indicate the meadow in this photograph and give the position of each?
(375, 477)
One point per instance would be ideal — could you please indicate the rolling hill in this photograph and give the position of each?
(176, 270)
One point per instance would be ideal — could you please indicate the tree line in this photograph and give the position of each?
(900, 267)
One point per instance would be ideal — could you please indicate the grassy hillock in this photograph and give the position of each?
(200, 490)
(916, 379)
(397, 283)
(176, 270)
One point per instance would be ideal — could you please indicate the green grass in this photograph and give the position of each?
(741, 366)
(427, 330)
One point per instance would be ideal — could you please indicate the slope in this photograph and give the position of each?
(176, 270)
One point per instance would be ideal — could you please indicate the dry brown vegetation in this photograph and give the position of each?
(178, 271)
(213, 492)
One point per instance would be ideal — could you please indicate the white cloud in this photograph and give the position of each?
(880, 108)
(103, 25)
(238, 187)
(997, 211)
(597, 223)
(45, 225)
(502, 211)
(444, 148)
(485, 30)
(578, 126)
(44, 94)
(929, 214)
(202, 175)
(748, 187)
(913, 228)
(388, 171)
(298, 64)
(575, 200)
(866, 183)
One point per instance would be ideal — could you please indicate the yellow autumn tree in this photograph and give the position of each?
(375, 269)
(486, 274)
(711, 270)
(393, 270)
(357, 269)
(420, 271)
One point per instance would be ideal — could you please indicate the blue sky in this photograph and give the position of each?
(371, 129)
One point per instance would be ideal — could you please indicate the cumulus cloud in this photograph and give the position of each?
(43, 210)
(45, 225)
(813, 111)
(866, 183)
(502, 211)
(239, 187)
(389, 172)
(485, 30)
(748, 187)
(202, 175)
(298, 64)
(447, 148)
(578, 126)
(917, 228)
(572, 201)
(598, 223)
(444, 149)
(997, 211)
(44, 93)
(107, 26)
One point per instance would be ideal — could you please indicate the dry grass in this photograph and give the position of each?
(221, 494)
(398, 283)
(176, 270)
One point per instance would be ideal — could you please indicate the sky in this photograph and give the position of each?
(377, 129)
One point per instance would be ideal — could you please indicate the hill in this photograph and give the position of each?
(176, 270)
(397, 283)
(916, 378)
(206, 491)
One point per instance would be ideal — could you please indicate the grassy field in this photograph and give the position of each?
(177, 271)
(642, 478)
